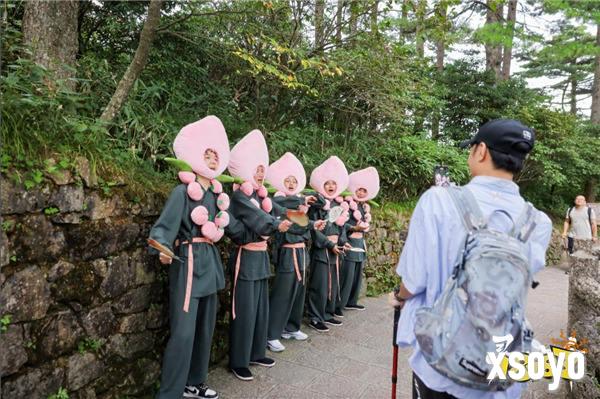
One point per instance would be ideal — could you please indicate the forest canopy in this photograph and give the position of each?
(370, 81)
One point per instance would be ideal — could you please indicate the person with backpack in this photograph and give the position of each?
(580, 223)
(466, 268)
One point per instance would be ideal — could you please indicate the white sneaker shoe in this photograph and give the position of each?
(275, 346)
(297, 335)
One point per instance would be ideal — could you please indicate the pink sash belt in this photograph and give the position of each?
(333, 238)
(190, 269)
(295, 257)
(253, 246)
(356, 234)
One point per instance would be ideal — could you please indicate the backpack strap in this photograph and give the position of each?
(525, 223)
(467, 207)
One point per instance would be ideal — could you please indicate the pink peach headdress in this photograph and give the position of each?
(287, 165)
(332, 169)
(194, 139)
(367, 179)
(247, 155)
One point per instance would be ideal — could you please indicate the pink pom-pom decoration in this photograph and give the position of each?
(216, 186)
(327, 205)
(353, 205)
(357, 215)
(341, 220)
(262, 192)
(223, 202)
(255, 202)
(367, 207)
(303, 208)
(368, 217)
(236, 186)
(209, 230)
(218, 235)
(222, 219)
(345, 205)
(247, 188)
(186, 177)
(279, 194)
(199, 215)
(339, 199)
(348, 198)
(267, 205)
(195, 192)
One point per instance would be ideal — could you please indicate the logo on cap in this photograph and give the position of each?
(526, 134)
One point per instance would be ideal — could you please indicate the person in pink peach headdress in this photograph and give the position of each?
(290, 254)
(193, 219)
(249, 260)
(329, 180)
(363, 186)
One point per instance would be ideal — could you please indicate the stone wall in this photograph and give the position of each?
(584, 313)
(81, 302)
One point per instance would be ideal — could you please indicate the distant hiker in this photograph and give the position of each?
(446, 360)
(580, 223)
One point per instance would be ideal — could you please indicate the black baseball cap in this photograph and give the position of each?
(502, 135)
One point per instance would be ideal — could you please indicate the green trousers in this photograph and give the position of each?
(347, 272)
(248, 331)
(187, 355)
(322, 302)
(286, 304)
(356, 284)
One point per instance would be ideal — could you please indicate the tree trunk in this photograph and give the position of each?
(493, 52)
(353, 17)
(374, 12)
(595, 117)
(440, 52)
(319, 24)
(50, 30)
(573, 95)
(511, 17)
(404, 21)
(137, 64)
(420, 31)
(339, 18)
(591, 186)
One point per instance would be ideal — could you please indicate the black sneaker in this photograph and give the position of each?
(333, 322)
(200, 391)
(338, 313)
(317, 325)
(354, 307)
(242, 373)
(265, 362)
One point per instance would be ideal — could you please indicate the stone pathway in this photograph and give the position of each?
(354, 360)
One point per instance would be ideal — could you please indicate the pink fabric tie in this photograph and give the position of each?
(190, 269)
(253, 246)
(295, 257)
(333, 238)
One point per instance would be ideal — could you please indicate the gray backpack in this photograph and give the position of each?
(483, 301)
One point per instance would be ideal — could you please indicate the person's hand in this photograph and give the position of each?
(564, 235)
(347, 246)
(320, 225)
(165, 259)
(594, 239)
(311, 199)
(284, 226)
(360, 228)
(394, 301)
(336, 250)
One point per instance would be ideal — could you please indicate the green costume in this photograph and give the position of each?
(191, 321)
(323, 287)
(352, 268)
(250, 313)
(289, 288)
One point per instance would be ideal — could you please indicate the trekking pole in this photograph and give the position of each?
(395, 357)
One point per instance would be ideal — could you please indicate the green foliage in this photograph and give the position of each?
(51, 211)
(89, 344)
(62, 393)
(5, 322)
